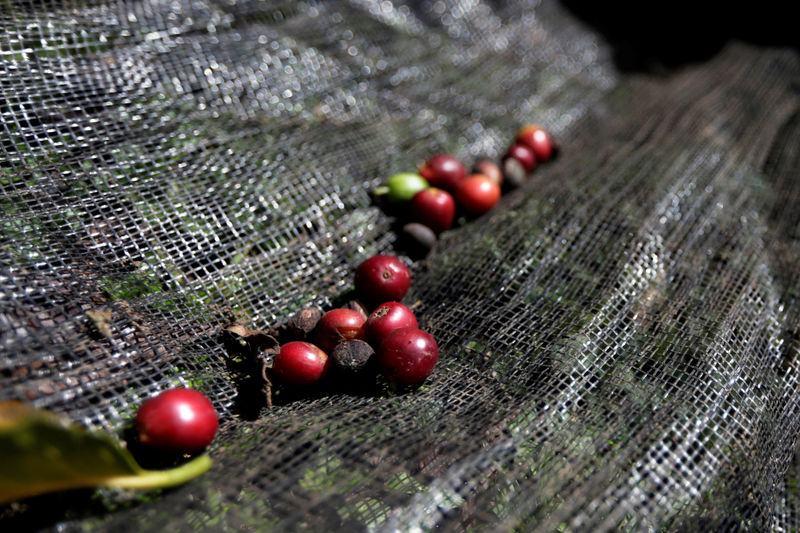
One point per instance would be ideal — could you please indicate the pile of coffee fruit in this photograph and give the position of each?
(370, 335)
(377, 331)
(349, 339)
(432, 199)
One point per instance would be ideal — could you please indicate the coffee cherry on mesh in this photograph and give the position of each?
(514, 174)
(402, 187)
(382, 278)
(407, 355)
(337, 325)
(300, 363)
(417, 238)
(478, 194)
(177, 420)
(303, 322)
(489, 169)
(523, 154)
(386, 318)
(537, 139)
(443, 171)
(434, 208)
(352, 356)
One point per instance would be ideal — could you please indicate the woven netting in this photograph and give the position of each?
(618, 337)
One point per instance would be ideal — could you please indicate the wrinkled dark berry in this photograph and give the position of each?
(304, 322)
(352, 355)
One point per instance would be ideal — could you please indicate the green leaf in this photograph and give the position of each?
(42, 452)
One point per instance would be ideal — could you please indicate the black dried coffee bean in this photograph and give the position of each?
(352, 355)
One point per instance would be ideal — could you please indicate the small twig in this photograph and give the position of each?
(267, 384)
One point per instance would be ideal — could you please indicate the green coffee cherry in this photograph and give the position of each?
(403, 186)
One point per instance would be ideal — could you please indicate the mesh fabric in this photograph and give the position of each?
(618, 338)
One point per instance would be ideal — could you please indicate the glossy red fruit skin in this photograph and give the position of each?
(407, 355)
(434, 208)
(537, 139)
(523, 154)
(443, 171)
(177, 420)
(382, 278)
(478, 194)
(338, 325)
(300, 363)
(386, 318)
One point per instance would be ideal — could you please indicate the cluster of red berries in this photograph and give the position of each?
(442, 185)
(349, 340)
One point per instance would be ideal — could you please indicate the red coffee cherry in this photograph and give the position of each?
(523, 154)
(434, 208)
(337, 325)
(300, 363)
(382, 278)
(478, 194)
(177, 420)
(386, 318)
(443, 171)
(407, 355)
(537, 139)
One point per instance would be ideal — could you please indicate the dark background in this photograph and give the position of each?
(655, 35)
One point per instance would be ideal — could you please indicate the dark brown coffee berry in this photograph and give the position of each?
(352, 356)
(304, 322)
